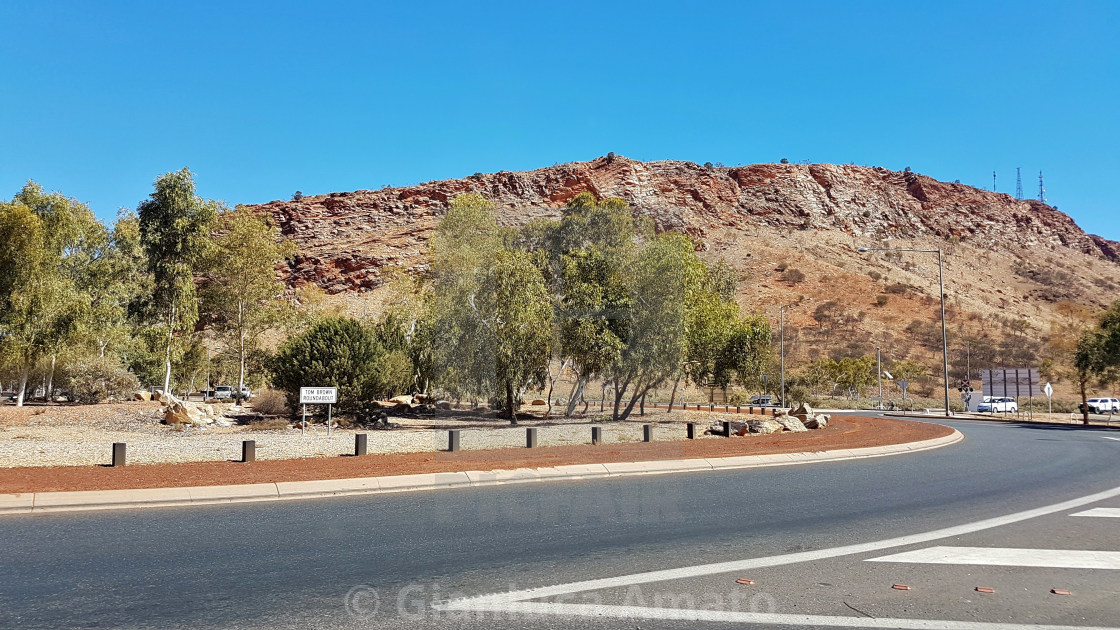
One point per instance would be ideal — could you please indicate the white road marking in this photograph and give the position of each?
(815, 621)
(1103, 512)
(1000, 556)
(467, 603)
(1111, 438)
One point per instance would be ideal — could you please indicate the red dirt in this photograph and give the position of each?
(842, 433)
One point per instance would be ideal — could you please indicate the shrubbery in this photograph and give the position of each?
(92, 380)
(338, 352)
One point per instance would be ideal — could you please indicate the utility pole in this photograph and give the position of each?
(879, 364)
(782, 333)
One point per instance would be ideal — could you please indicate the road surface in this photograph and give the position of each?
(824, 544)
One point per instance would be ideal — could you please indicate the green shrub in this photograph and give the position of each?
(92, 380)
(882, 300)
(337, 352)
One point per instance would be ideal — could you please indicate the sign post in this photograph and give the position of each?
(1049, 391)
(317, 396)
(903, 384)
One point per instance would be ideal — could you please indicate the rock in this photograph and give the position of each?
(790, 423)
(179, 412)
(803, 410)
(156, 396)
(765, 426)
(443, 404)
(538, 402)
(406, 400)
(818, 421)
(144, 396)
(421, 399)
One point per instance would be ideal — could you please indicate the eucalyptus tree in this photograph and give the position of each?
(174, 230)
(242, 292)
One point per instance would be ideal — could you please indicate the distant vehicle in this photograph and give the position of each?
(1101, 405)
(762, 400)
(998, 405)
(246, 393)
(8, 394)
(222, 392)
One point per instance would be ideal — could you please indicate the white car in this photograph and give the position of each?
(998, 405)
(1102, 405)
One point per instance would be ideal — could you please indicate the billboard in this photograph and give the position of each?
(1012, 383)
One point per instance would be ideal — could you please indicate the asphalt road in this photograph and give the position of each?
(381, 561)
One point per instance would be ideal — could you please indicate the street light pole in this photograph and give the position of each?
(879, 374)
(944, 329)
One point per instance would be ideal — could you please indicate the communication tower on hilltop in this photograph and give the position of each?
(993, 181)
(1041, 189)
(1018, 184)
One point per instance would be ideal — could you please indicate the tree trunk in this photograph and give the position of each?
(673, 396)
(576, 396)
(49, 389)
(551, 384)
(22, 385)
(167, 356)
(618, 392)
(510, 403)
(638, 394)
(642, 406)
(1084, 400)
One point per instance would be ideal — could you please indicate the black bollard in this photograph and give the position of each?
(531, 437)
(361, 444)
(596, 435)
(118, 454)
(647, 432)
(248, 451)
(690, 430)
(453, 440)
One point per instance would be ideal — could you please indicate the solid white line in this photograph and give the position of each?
(635, 612)
(1103, 512)
(1110, 438)
(1005, 557)
(784, 559)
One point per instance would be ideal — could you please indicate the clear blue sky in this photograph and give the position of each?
(263, 98)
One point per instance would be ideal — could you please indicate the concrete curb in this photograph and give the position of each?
(43, 502)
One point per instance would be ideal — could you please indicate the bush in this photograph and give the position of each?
(94, 379)
(271, 402)
(792, 276)
(898, 288)
(874, 275)
(335, 352)
(881, 300)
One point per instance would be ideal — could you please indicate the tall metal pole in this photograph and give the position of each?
(782, 328)
(879, 363)
(944, 332)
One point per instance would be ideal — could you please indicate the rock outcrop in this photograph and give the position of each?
(348, 240)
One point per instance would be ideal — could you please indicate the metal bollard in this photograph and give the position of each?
(118, 454)
(647, 432)
(738, 409)
(726, 428)
(690, 430)
(531, 437)
(453, 440)
(361, 444)
(248, 451)
(596, 435)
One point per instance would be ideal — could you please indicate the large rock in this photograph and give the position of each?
(790, 423)
(803, 410)
(538, 402)
(765, 426)
(144, 396)
(179, 412)
(818, 421)
(401, 400)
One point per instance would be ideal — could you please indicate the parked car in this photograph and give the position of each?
(246, 393)
(8, 394)
(1101, 405)
(998, 405)
(762, 400)
(222, 392)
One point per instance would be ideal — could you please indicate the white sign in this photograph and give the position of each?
(1049, 390)
(318, 395)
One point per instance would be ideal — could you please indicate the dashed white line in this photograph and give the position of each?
(1007, 557)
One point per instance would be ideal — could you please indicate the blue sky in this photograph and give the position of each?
(260, 99)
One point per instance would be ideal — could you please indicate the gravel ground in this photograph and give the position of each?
(83, 436)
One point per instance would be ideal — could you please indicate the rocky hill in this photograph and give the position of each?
(1005, 258)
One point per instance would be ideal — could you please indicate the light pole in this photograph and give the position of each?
(879, 373)
(944, 333)
(782, 334)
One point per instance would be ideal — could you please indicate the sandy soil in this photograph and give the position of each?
(842, 433)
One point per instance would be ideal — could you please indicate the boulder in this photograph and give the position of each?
(401, 400)
(790, 423)
(156, 396)
(538, 402)
(179, 412)
(819, 421)
(803, 410)
(144, 396)
(443, 404)
(421, 399)
(765, 426)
